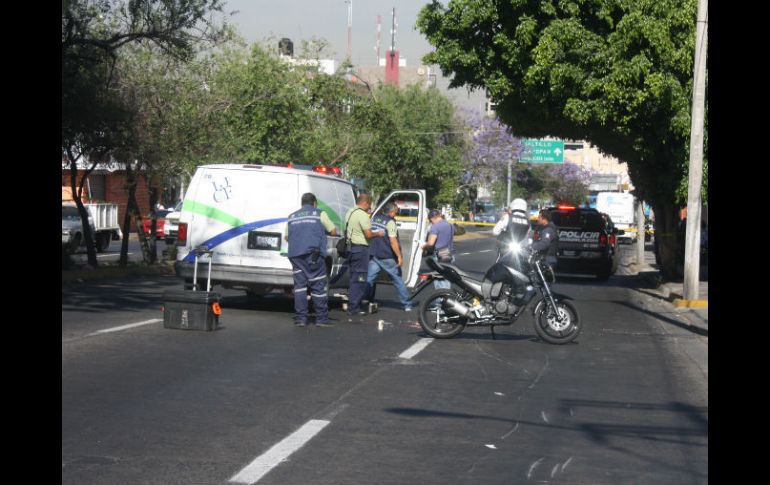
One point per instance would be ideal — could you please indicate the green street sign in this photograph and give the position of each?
(542, 151)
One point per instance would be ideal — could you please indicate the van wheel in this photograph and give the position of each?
(603, 275)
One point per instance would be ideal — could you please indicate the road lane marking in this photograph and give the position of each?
(124, 327)
(416, 348)
(532, 467)
(268, 460)
(112, 254)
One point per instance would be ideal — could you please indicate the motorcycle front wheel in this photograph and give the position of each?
(438, 321)
(558, 331)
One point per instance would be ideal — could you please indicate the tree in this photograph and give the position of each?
(568, 183)
(410, 140)
(490, 148)
(266, 108)
(617, 73)
(94, 32)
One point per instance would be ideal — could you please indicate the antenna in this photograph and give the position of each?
(350, 29)
(393, 36)
(377, 47)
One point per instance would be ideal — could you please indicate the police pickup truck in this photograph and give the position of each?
(587, 241)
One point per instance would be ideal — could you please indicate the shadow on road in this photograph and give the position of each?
(129, 294)
(602, 432)
(658, 316)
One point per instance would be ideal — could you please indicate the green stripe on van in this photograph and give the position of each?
(333, 216)
(211, 213)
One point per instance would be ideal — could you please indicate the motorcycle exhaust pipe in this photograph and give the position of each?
(456, 307)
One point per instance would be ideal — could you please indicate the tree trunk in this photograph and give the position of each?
(153, 241)
(666, 219)
(131, 212)
(77, 192)
(123, 261)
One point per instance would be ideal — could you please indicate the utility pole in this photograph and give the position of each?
(508, 192)
(692, 234)
(640, 234)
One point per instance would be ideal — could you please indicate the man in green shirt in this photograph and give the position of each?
(359, 231)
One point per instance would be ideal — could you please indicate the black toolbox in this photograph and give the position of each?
(192, 309)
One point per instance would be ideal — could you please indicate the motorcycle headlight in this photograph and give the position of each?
(514, 247)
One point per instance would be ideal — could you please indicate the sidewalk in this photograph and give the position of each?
(672, 292)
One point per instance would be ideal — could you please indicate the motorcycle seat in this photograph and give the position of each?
(436, 265)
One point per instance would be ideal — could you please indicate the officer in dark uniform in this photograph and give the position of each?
(512, 228)
(548, 233)
(306, 233)
(386, 254)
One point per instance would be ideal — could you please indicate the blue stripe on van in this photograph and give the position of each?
(231, 233)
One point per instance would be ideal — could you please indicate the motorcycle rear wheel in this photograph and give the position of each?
(558, 332)
(437, 321)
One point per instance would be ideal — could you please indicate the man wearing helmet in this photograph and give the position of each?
(512, 227)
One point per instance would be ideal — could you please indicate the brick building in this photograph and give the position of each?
(107, 183)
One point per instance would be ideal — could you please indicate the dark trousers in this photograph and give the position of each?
(359, 269)
(310, 277)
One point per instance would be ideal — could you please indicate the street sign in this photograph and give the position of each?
(542, 151)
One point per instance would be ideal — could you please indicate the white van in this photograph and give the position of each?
(240, 212)
(621, 207)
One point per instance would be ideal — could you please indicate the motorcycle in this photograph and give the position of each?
(499, 299)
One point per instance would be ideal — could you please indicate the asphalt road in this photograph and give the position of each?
(374, 402)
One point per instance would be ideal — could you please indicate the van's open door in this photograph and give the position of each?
(412, 222)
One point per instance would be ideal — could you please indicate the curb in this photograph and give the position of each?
(682, 303)
(473, 235)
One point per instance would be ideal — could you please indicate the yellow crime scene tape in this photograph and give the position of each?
(490, 224)
(633, 229)
(453, 221)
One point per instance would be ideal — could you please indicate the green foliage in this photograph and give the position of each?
(617, 73)
(266, 109)
(408, 141)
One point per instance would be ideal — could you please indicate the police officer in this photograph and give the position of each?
(386, 254)
(548, 233)
(512, 227)
(359, 231)
(306, 233)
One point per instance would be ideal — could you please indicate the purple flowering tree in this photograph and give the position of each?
(568, 183)
(491, 147)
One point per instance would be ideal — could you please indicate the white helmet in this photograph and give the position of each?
(518, 204)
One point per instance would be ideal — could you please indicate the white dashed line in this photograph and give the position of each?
(416, 348)
(268, 460)
(124, 327)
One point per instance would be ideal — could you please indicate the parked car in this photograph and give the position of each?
(160, 216)
(171, 225)
(72, 237)
(587, 241)
(490, 217)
